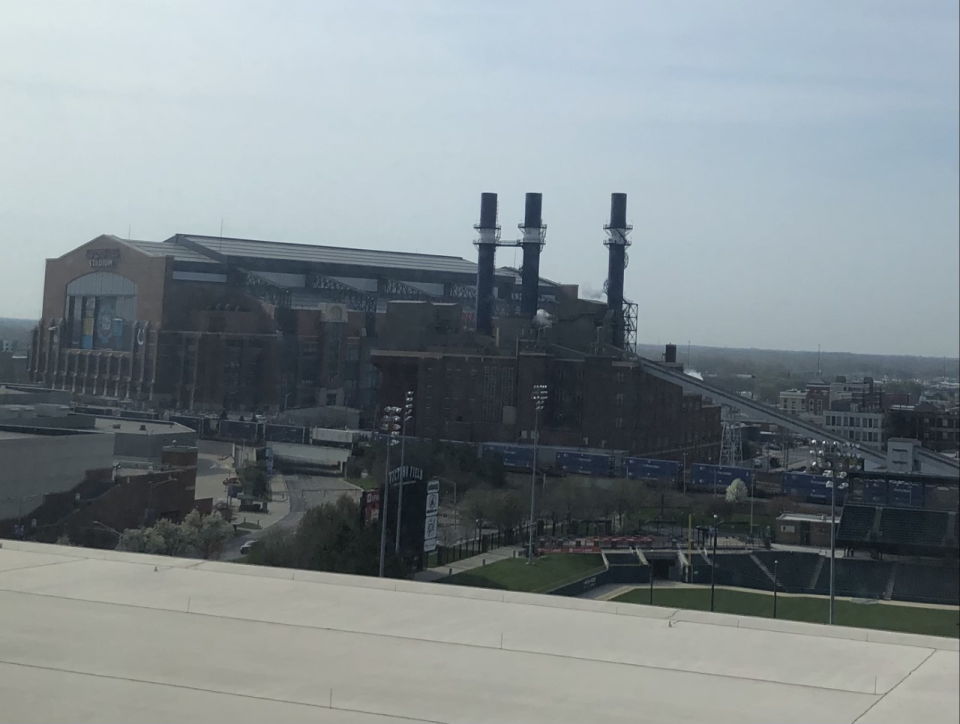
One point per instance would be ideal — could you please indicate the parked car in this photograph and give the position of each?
(247, 547)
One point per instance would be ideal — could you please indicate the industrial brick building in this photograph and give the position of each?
(208, 324)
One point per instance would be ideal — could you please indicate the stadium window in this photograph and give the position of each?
(619, 399)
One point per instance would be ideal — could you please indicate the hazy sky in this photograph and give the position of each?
(792, 168)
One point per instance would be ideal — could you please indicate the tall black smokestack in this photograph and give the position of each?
(486, 244)
(532, 243)
(617, 244)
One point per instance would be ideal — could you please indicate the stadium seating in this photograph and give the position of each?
(738, 569)
(928, 583)
(856, 522)
(622, 558)
(856, 578)
(913, 527)
(794, 570)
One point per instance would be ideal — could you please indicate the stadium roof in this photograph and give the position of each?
(159, 248)
(103, 636)
(329, 255)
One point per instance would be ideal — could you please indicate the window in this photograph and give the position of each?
(620, 377)
(619, 423)
(787, 529)
(619, 399)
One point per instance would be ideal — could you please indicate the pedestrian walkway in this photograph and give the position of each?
(468, 564)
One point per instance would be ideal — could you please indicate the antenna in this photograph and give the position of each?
(128, 231)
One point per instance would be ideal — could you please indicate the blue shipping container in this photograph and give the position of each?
(718, 476)
(596, 464)
(810, 488)
(636, 468)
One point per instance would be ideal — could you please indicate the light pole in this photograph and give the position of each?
(833, 485)
(774, 587)
(713, 562)
(407, 416)
(390, 426)
(539, 396)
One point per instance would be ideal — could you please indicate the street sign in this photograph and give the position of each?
(430, 521)
(430, 534)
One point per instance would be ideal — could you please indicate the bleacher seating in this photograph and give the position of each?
(856, 578)
(856, 522)
(738, 569)
(913, 527)
(928, 583)
(794, 570)
(622, 558)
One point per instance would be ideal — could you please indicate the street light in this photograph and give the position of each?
(833, 485)
(713, 561)
(390, 426)
(407, 416)
(539, 397)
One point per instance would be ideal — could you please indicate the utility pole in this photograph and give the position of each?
(775, 588)
(407, 416)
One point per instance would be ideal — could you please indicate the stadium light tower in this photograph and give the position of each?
(539, 396)
(391, 425)
(833, 484)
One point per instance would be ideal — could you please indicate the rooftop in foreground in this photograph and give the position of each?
(125, 637)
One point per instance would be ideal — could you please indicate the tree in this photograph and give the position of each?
(254, 481)
(196, 536)
(330, 537)
(737, 492)
(478, 505)
(509, 507)
(205, 535)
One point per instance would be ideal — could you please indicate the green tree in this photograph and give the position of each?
(254, 481)
(329, 537)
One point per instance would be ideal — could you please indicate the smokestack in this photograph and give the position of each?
(617, 243)
(489, 234)
(532, 243)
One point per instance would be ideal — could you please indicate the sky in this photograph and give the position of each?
(792, 168)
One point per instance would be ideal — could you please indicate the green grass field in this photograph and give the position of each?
(514, 574)
(908, 619)
(364, 483)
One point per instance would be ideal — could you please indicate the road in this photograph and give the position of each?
(303, 492)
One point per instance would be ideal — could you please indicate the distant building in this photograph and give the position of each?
(803, 529)
(793, 402)
(857, 427)
(936, 429)
(209, 323)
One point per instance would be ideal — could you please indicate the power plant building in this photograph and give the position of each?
(211, 324)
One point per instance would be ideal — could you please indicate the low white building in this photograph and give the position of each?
(793, 402)
(859, 427)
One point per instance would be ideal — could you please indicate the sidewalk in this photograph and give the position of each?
(467, 564)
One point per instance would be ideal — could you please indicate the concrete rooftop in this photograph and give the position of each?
(91, 636)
